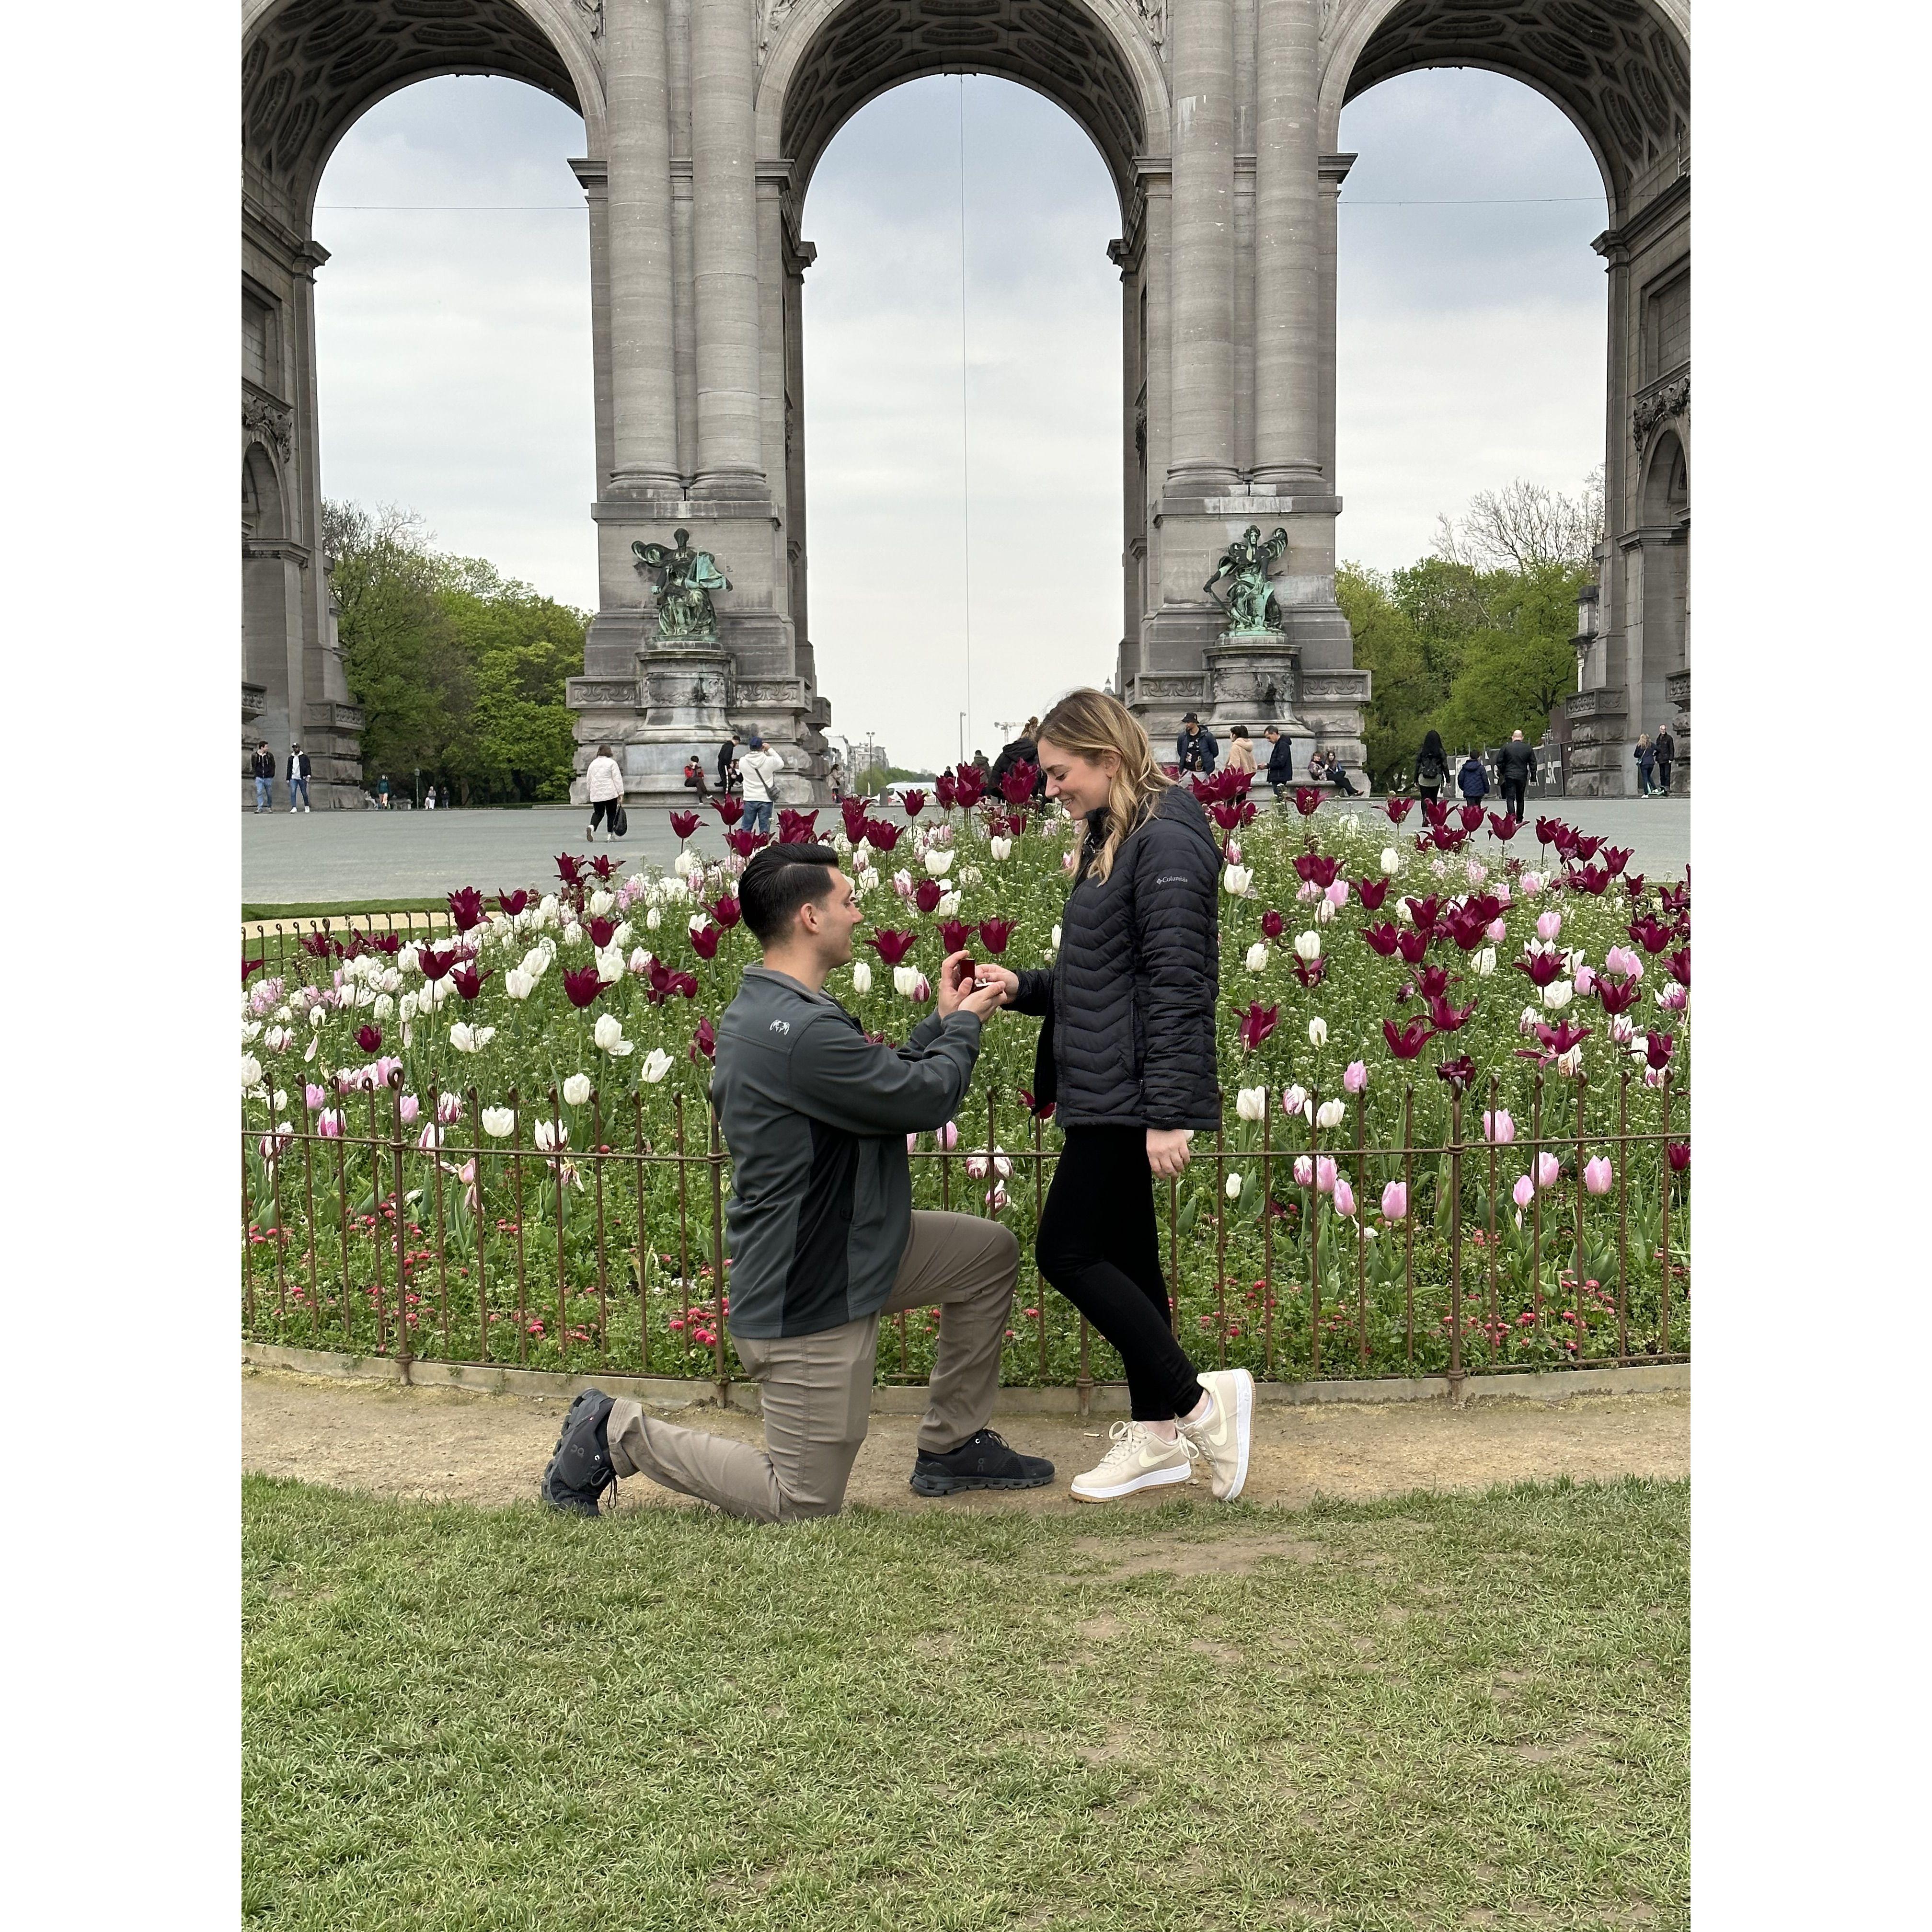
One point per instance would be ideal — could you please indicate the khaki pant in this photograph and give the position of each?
(817, 1389)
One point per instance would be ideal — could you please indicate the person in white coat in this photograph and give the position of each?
(758, 770)
(604, 785)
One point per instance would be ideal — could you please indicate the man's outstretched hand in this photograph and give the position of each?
(957, 994)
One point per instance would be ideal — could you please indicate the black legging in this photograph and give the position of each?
(603, 812)
(1098, 1245)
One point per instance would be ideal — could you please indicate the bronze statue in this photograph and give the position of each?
(683, 582)
(1250, 603)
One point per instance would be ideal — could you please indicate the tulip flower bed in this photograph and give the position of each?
(1455, 1052)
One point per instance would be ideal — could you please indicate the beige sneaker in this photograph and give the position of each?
(1138, 1460)
(1224, 1437)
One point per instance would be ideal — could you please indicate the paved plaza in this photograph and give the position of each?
(370, 858)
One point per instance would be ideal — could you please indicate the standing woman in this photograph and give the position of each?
(1241, 751)
(1128, 1055)
(1646, 765)
(1432, 766)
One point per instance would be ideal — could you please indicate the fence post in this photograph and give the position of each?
(718, 1258)
(1663, 1236)
(1456, 1244)
(1267, 1237)
(479, 1220)
(405, 1353)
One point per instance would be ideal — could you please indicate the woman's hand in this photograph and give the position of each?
(1167, 1150)
(1004, 977)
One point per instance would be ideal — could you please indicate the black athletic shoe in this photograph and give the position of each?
(982, 1462)
(581, 1472)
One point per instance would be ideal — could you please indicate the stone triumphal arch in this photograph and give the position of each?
(1218, 121)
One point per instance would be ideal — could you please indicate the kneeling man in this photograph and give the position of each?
(824, 1239)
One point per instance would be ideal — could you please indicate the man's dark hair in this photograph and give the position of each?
(778, 880)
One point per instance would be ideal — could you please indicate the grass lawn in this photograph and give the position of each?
(253, 910)
(1436, 1712)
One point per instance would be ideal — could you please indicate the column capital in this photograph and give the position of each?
(593, 176)
(1334, 168)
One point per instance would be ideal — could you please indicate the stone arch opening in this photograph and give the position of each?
(1666, 487)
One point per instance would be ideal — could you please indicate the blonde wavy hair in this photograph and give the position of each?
(1089, 724)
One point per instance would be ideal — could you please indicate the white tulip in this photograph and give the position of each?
(283, 1014)
(251, 1072)
(905, 981)
(999, 848)
(384, 1006)
(948, 907)
(1330, 1114)
(407, 1007)
(685, 859)
(1308, 947)
(1235, 881)
(1233, 1187)
(316, 1015)
(550, 1135)
(1324, 912)
(600, 902)
(1557, 994)
(498, 1123)
(250, 1029)
(467, 1038)
(1056, 938)
(939, 861)
(609, 1034)
(576, 1090)
(1402, 912)
(610, 965)
(653, 919)
(869, 878)
(281, 1101)
(1317, 1031)
(517, 983)
(572, 933)
(1293, 1101)
(1571, 1063)
(1485, 962)
(1258, 955)
(1251, 1103)
(1391, 863)
(970, 875)
(861, 978)
(640, 961)
(657, 1064)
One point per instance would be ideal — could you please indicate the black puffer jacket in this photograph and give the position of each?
(1130, 1002)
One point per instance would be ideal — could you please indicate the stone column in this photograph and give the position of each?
(594, 177)
(643, 410)
(724, 78)
(1201, 43)
(1288, 254)
(1334, 171)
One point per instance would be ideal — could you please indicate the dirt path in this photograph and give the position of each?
(444, 1444)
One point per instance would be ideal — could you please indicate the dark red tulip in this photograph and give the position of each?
(467, 980)
(1272, 926)
(1016, 788)
(1397, 808)
(1447, 1018)
(601, 930)
(1616, 857)
(1016, 823)
(685, 984)
(1546, 830)
(251, 966)
(1459, 1073)
(1617, 995)
(1591, 879)
(893, 946)
(968, 788)
(945, 791)
(953, 934)
(466, 908)
(1565, 841)
(1226, 815)
(1423, 912)
(513, 903)
(1586, 847)
(1371, 892)
(1406, 1042)
(1675, 898)
(1432, 983)
(1257, 1023)
(658, 980)
(1679, 1152)
(1307, 800)
(1384, 937)
(1413, 946)
(853, 811)
(1311, 974)
(994, 933)
(319, 946)
(435, 965)
(797, 828)
(880, 836)
(1472, 817)
(1436, 813)
(704, 942)
(605, 867)
(1680, 967)
(1504, 825)
(1560, 1038)
(927, 894)
(1469, 926)
(569, 870)
(369, 1039)
(1041, 1110)
(1653, 935)
(1448, 838)
(1542, 967)
(581, 986)
(684, 823)
(726, 912)
(1316, 868)
(704, 1040)
(729, 809)
(1657, 1051)
(914, 803)
(1633, 885)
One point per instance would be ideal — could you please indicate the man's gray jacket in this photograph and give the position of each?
(815, 1116)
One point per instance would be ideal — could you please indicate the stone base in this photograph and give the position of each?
(1599, 764)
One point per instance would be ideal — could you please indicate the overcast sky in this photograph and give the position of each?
(454, 362)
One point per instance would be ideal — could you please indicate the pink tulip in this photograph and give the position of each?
(1548, 924)
(1549, 1170)
(315, 1098)
(912, 1143)
(1344, 1197)
(1586, 983)
(329, 1122)
(449, 1108)
(409, 1109)
(1622, 1031)
(1674, 999)
(1524, 1191)
(1304, 1170)
(1498, 931)
(922, 992)
(1356, 1078)
(1620, 959)
(1337, 895)
(431, 1138)
(1598, 1175)
(1395, 1202)
(1499, 1126)
(948, 1136)
(1324, 1174)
